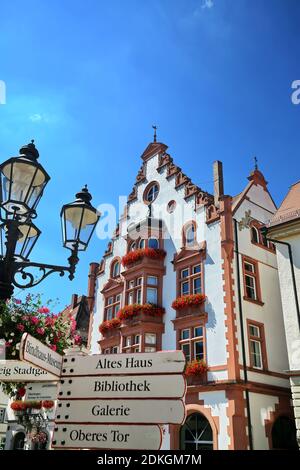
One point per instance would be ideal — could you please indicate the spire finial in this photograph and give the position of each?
(255, 163)
(155, 128)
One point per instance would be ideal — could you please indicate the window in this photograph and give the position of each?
(171, 206)
(134, 291)
(258, 238)
(257, 347)
(251, 280)
(150, 338)
(132, 344)
(112, 306)
(192, 343)
(153, 243)
(142, 243)
(196, 433)
(189, 235)
(254, 235)
(115, 269)
(190, 281)
(151, 192)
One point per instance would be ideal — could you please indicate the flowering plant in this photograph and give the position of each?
(22, 405)
(31, 316)
(130, 311)
(109, 325)
(47, 404)
(136, 255)
(196, 367)
(188, 301)
(39, 436)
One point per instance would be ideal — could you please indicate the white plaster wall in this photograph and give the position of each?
(271, 312)
(260, 408)
(3, 404)
(292, 330)
(217, 403)
(216, 345)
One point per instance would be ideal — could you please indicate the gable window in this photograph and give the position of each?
(115, 269)
(151, 192)
(191, 342)
(251, 280)
(189, 235)
(257, 238)
(257, 346)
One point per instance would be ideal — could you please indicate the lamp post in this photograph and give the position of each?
(22, 184)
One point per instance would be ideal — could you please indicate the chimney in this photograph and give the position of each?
(92, 283)
(74, 300)
(218, 182)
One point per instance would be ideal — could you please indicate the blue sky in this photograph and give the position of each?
(87, 79)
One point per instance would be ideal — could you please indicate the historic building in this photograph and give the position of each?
(190, 270)
(284, 230)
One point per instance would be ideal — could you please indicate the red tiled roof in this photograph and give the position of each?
(289, 209)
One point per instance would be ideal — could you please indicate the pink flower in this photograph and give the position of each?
(34, 320)
(40, 331)
(18, 301)
(25, 317)
(77, 340)
(20, 327)
(7, 344)
(53, 347)
(49, 321)
(43, 310)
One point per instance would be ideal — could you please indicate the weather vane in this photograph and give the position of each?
(155, 128)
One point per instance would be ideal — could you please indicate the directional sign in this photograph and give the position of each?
(18, 371)
(118, 436)
(41, 391)
(132, 386)
(132, 411)
(37, 353)
(113, 364)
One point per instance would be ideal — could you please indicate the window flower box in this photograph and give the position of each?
(144, 312)
(110, 327)
(189, 305)
(196, 372)
(137, 255)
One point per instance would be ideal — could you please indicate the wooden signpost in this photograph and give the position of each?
(75, 436)
(40, 355)
(169, 362)
(131, 386)
(114, 401)
(117, 401)
(19, 371)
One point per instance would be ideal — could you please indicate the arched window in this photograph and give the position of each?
(132, 247)
(153, 243)
(284, 434)
(151, 192)
(189, 235)
(196, 433)
(115, 270)
(254, 235)
(142, 243)
(19, 441)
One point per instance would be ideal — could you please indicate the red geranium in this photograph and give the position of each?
(130, 311)
(48, 404)
(188, 301)
(196, 367)
(136, 255)
(109, 325)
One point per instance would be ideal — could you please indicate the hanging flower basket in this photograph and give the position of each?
(136, 255)
(47, 404)
(188, 301)
(23, 405)
(109, 326)
(131, 311)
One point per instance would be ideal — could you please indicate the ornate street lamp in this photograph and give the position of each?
(22, 184)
